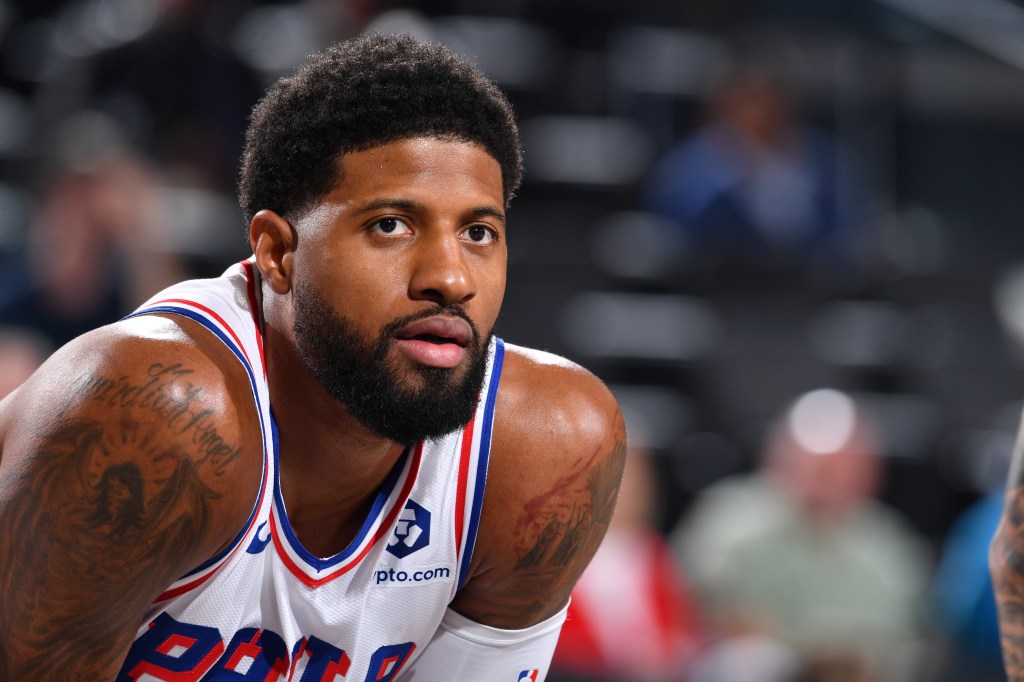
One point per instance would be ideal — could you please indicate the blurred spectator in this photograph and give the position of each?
(631, 618)
(755, 186)
(22, 351)
(800, 551)
(88, 260)
(182, 98)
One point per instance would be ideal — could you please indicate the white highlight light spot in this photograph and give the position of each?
(822, 421)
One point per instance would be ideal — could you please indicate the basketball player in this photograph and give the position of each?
(321, 465)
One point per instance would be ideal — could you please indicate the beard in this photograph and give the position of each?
(359, 374)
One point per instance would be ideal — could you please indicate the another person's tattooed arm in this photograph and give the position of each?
(1006, 560)
(119, 474)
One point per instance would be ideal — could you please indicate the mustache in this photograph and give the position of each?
(454, 309)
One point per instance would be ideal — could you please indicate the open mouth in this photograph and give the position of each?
(438, 341)
(432, 338)
(440, 329)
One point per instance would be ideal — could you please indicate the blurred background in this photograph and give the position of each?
(786, 232)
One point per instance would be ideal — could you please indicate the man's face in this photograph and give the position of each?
(399, 276)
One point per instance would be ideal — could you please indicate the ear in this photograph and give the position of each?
(273, 241)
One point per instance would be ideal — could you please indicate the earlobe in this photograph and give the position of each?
(273, 241)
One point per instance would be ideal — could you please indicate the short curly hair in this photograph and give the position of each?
(359, 94)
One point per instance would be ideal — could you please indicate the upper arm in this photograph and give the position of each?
(113, 484)
(555, 467)
(1006, 560)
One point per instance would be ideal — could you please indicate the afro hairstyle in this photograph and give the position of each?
(359, 94)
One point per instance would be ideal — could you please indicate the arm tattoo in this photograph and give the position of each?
(169, 395)
(564, 531)
(99, 519)
(1008, 580)
(558, 532)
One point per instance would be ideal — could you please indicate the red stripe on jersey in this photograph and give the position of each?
(178, 591)
(460, 497)
(211, 314)
(275, 535)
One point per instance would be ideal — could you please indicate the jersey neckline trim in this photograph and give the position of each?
(314, 571)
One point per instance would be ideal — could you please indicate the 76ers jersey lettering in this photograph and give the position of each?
(266, 608)
(178, 651)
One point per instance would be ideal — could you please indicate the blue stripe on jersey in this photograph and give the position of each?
(484, 455)
(201, 319)
(315, 562)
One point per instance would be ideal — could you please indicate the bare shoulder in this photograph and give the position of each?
(555, 467)
(158, 380)
(552, 409)
(131, 456)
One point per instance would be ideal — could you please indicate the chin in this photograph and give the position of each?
(422, 379)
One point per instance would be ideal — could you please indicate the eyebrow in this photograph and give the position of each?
(406, 205)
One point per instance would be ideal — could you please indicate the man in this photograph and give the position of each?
(802, 553)
(280, 473)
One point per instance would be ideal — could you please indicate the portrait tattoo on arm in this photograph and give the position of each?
(97, 521)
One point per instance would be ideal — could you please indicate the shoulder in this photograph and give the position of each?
(553, 418)
(157, 392)
(558, 450)
(544, 399)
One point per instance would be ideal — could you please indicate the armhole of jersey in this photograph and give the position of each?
(473, 458)
(216, 325)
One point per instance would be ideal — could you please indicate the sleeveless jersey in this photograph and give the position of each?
(266, 608)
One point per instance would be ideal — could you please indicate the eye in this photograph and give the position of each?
(481, 234)
(390, 226)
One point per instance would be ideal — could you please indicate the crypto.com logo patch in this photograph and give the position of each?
(412, 532)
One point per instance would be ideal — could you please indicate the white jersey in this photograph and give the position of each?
(267, 609)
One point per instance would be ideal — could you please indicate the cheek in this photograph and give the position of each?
(490, 295)
(494, 281)
(362, 284)
(369, 285)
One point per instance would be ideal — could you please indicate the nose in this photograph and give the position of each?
(442, 273)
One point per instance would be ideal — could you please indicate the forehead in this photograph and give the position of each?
(442, 168)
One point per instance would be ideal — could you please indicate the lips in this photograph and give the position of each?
(440, 329)
(437, 341)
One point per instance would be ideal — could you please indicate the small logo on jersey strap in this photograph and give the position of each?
(412, 532)
(260, 540)
(528, 676)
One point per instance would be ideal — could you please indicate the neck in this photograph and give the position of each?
(331, 466)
